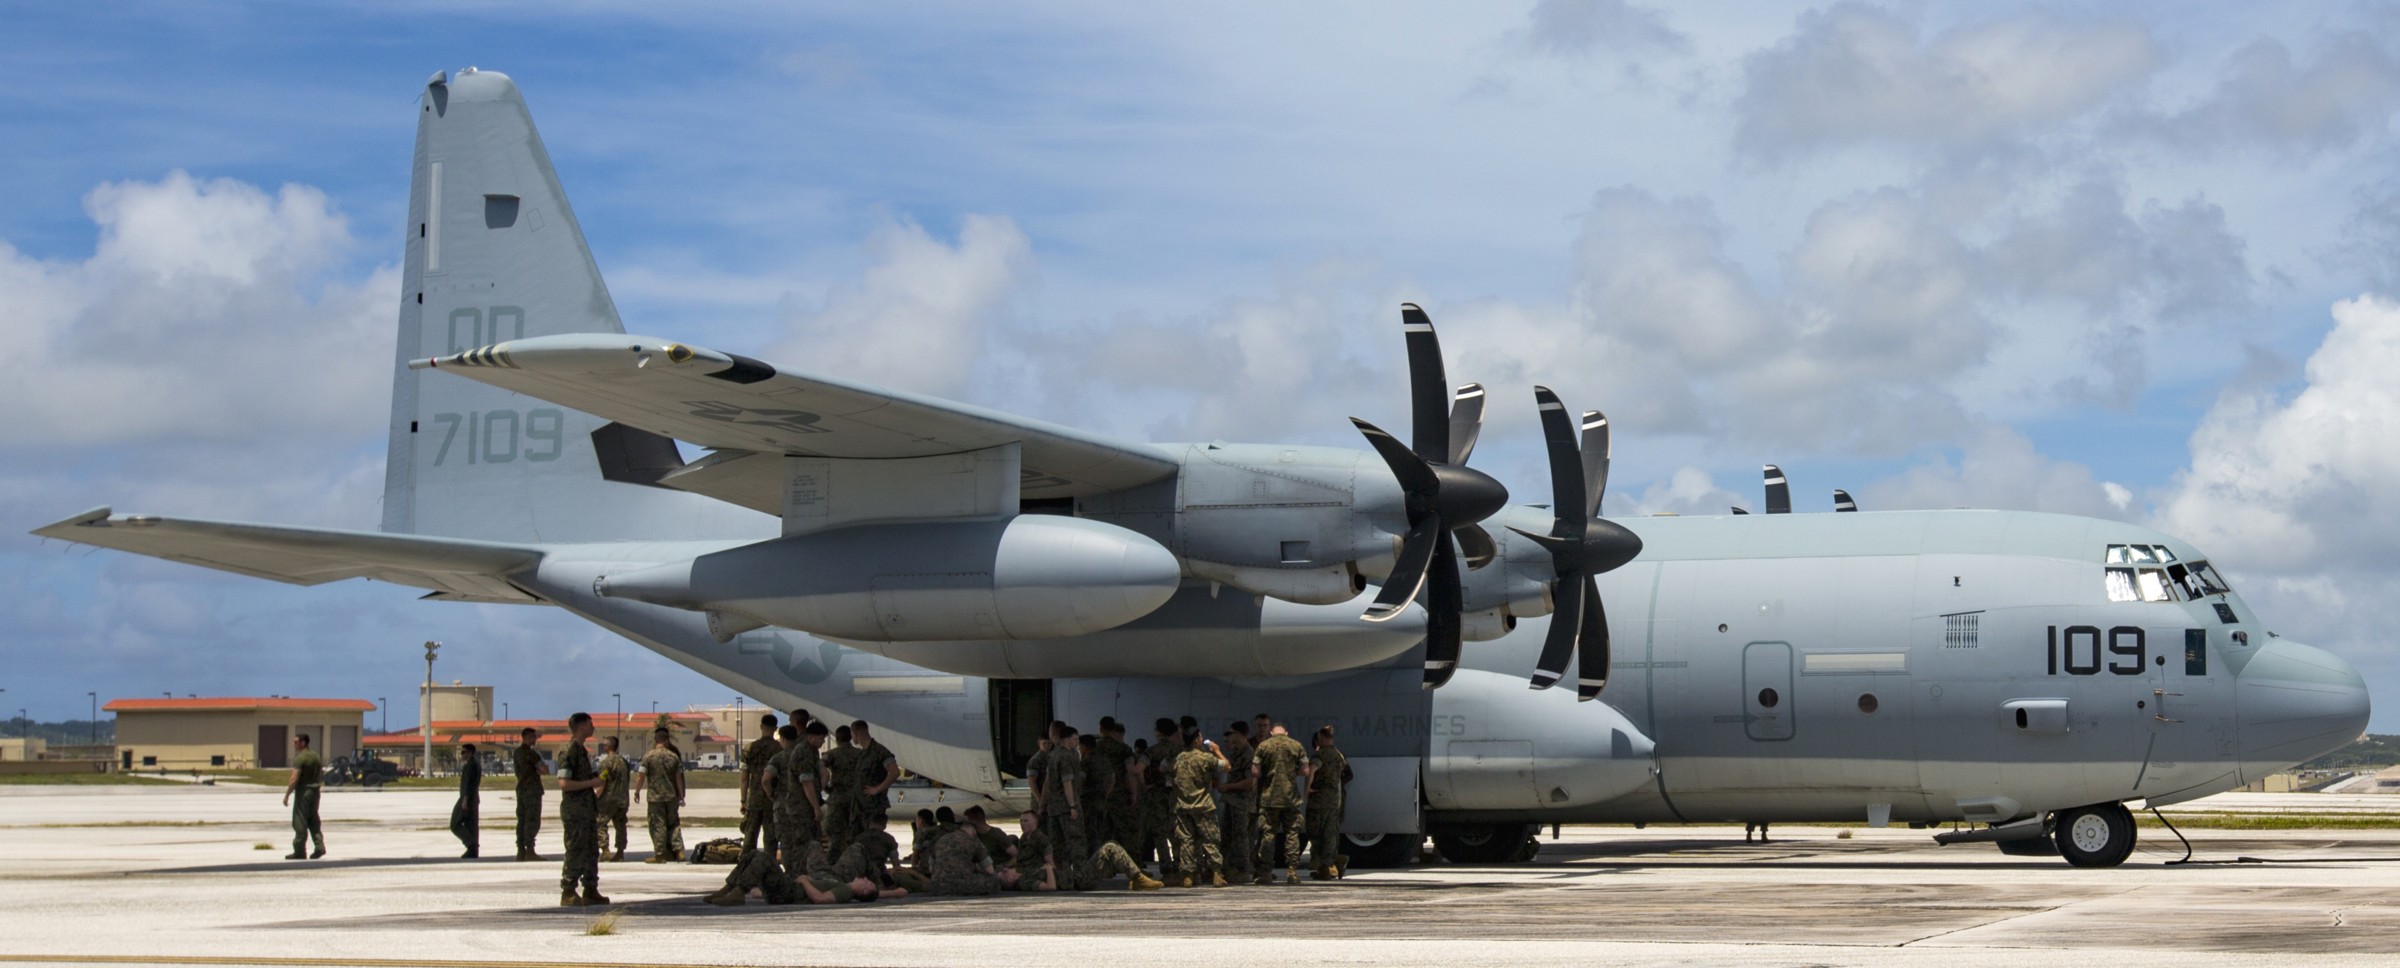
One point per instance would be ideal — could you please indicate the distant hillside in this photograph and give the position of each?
(2371, 751)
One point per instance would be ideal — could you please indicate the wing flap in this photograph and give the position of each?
(475, 570)
(734, 403)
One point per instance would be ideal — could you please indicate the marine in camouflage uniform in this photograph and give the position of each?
(1282, 782)
(527, 761)
(579, 816)
(795, 772)
(1113, 809)
(758, 812)
(466, 816)
(961, 865)
(1240, 792)
(1158, 796)
(757, 870)
(1062, 820)
(307, 786)
(878, 769)
(662, 780)
(1196, 818)
(616, 790)
(1331, 770)
(843, 769)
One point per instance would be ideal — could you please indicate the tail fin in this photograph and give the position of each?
(494, 253)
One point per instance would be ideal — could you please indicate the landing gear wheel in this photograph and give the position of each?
(1381, 850)
(1502, 843)
(2100, 835)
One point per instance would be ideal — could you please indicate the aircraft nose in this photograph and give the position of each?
(2296, 703)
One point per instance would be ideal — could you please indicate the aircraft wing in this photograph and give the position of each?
(452, 568)
(735, 403)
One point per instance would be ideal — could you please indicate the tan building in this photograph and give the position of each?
(19, 749)
(232, 732)
(459, 702)
(691, 732)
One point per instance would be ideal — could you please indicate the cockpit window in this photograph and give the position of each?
(2152, 573)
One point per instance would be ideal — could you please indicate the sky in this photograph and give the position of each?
(2130, 260)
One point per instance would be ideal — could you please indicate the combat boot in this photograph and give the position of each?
(1291, 875)
(1144, 882)
(1216, 880)
(1181, 880)
(1321, 874)
(569, 899)
(594, 899)
(656, 859)
(728, 898)
(1264, 878)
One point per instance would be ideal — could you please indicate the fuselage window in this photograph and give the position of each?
(2152, 573)
(2210, 581)
(1767, 698)
(2153, 585)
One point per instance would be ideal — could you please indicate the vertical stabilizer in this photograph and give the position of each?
(494, 253)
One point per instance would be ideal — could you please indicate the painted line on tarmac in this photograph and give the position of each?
(316, 962)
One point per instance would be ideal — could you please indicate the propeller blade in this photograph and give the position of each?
(1591, 647)
(1466, 421)
(1779, 493)
(1428, 386)
(1444, 600)
(1416, 476)
(1595, 460)
(1566, 625)
(1567, 497)
(1475, 545)
(1842, 501)
(1417, 551)
(1739, 511)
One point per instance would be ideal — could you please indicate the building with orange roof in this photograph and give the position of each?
(693, 733)
(232, 732)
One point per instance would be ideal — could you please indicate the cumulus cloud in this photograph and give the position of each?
(1578, 28)
(2268, 97)
(2296, 485)
(1858, 74)
(1689, 490)
(1999, 468)
(205, 310)
(918, 318)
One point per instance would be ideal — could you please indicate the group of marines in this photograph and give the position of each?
(1206, 813)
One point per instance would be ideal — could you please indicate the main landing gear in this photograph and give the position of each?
(2100, 835)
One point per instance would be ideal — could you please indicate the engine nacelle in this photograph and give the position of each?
(1498, 748)
(1026, 577)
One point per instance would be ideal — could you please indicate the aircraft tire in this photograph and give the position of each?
(1382, 850)
(2100, 835)
(1499, 843)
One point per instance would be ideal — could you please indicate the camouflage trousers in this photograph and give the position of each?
(1325, 834)
(666, 822)
(581, 821)
(1068, 847)
(1196, 844)
(843, 822)
(1158, 828)
(758, 823)
(1278, 828)
(795, 833)
(304, 819)
(612, 814)
(1118, 821)
(758, 871)
(1241, 839)
(1112, 861)
(529, 818)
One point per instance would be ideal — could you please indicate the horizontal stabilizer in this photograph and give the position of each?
(735, 403)
(458, 569)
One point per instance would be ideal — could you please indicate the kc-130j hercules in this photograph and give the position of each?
(961, 577)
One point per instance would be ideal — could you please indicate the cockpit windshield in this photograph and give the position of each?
(2152, 573)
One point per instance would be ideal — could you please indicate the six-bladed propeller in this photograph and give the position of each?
(1582, 545)
(1444, 497)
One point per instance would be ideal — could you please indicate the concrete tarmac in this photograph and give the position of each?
(173, 875)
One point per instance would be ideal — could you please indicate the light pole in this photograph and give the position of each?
(619, 729)
(425, 724)
(737, 727)
(504, 711)
(95, 696)
(384, 706)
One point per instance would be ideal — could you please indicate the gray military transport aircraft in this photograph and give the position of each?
(961, 577)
